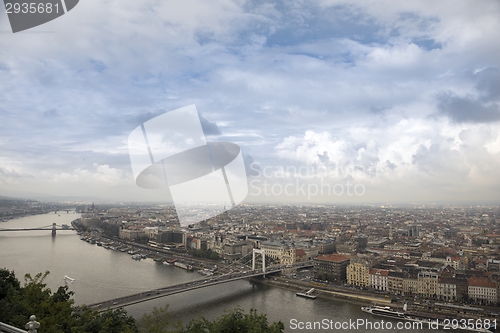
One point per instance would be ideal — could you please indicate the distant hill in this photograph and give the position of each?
(43, 197)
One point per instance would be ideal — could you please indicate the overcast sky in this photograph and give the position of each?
(398, 97)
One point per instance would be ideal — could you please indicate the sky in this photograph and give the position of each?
(343, 101)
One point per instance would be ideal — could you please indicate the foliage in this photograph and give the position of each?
(234, 321)
(142, 240)
(208, 254)
(155, 322)
(57, 314)
(55, 311)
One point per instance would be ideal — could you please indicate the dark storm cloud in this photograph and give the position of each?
(481, 109)
(489, 83)
(464, 109)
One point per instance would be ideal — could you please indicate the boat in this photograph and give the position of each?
(169, 262)
(307, 294)
(386, 311)
(184, 266)
(206, 272)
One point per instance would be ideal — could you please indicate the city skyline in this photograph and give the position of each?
(399, 99)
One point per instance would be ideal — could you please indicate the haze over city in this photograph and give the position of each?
(399, 98)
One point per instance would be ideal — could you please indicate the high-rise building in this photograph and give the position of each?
(413, 231)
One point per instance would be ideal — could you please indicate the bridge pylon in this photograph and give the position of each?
(53, 230)
(263, 254)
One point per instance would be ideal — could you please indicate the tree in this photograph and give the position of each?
(57, 314)
(234, 321)
(156, 321)
(55, 311)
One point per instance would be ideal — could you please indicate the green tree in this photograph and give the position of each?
(234, 321)
(55, 311)
(57, 314)
(155, 322)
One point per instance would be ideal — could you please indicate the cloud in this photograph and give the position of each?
(438, 155)
(467, 109)
(252, 168)
(489, 84)
(8, 176)
(374, 84)
(209, 128)
(481, 105)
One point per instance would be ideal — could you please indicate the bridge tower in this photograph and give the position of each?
(263, 254)
(53, 230)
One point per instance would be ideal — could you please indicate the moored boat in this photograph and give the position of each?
(387, 311)
(307, 294)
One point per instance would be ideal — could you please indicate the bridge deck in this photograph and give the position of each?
(175, 289)
(29, 229)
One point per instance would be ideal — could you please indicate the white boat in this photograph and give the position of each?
(184, 266)
(386, 311)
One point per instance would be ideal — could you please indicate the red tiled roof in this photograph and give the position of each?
(375, 271)
(300, 252)
(481, 282)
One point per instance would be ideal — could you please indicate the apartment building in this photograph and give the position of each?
(331, 267)
(378, 279)
(410, 285)
(428, 284)
(482, 290)
(447, 289)
(395, 283)
(358, 272)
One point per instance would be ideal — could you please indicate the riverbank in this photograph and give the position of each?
(322, 292)
(364, 300)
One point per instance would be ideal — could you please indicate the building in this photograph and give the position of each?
(236, 250)
(171, 237)
(132, 233)
(378, 279)
(279, 251)
(358, 272)
(413, 231)
(428, 284)
(395, 283)
(326, 247)
(331, 267)
(347, 248)
(447, 289)
(482, 290)
(410, 285)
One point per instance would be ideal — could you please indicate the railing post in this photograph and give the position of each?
(32, 325)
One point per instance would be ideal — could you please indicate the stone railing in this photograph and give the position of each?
(31, 326)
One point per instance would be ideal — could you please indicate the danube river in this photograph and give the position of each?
(101, 274)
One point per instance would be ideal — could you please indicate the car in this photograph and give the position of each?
(114, 303)
(148, 294)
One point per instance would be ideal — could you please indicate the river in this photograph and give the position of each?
(102, 274)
